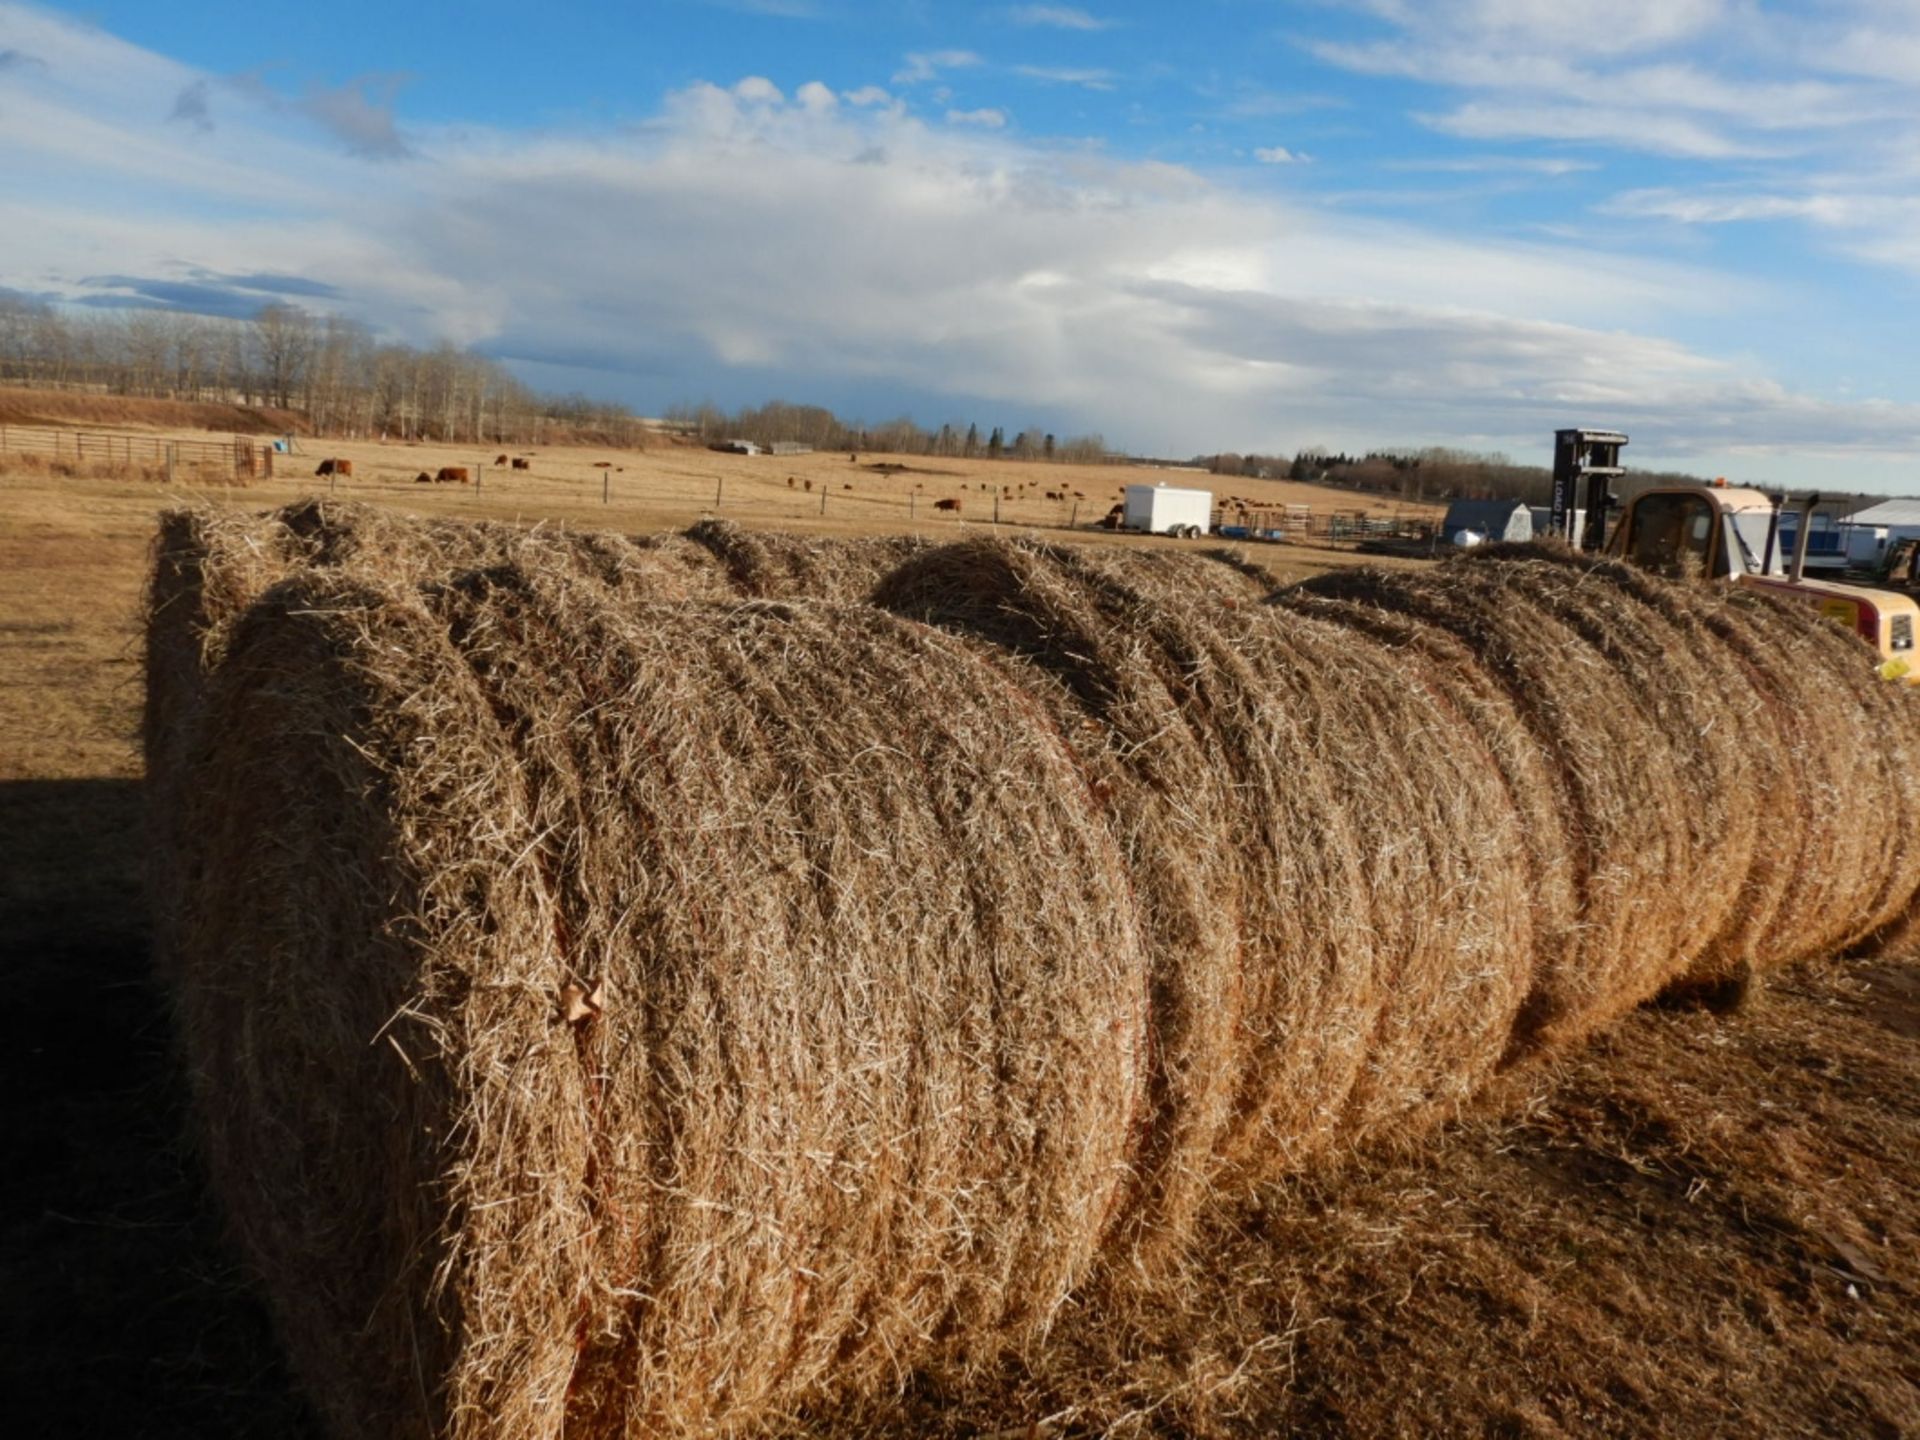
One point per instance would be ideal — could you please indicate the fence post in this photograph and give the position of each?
(823, 497)
(606, 486)
(913, 500)
(719, 483)
(1074, 519)
(171, 447)
(996, 507)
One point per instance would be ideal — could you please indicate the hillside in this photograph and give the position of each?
(82, 408)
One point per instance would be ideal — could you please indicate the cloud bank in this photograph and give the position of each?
(836, 243)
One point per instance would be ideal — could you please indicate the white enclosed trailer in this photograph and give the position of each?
(1164, 510)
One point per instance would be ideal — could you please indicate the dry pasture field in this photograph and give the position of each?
(1703, 1224)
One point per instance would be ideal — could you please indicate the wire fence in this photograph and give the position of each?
(238, 458)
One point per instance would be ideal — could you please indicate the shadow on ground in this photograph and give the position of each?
(124, 1313)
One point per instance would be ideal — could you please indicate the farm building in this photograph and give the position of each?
(735, 447)
(789, 447)
(1867, 533)
(1487, 520)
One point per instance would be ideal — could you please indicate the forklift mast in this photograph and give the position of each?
(1592, 455)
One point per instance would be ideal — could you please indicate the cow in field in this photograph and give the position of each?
(520, 464)
(498, 461)
(423, 478)
(454, 475)
(335, 467)
(953, 505)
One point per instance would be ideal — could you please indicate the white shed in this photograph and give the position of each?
(1160, 509)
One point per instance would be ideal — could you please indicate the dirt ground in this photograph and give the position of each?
(1703, 1225)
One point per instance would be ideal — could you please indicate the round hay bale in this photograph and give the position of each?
(773, 565)
(209, 565)
(645, 1019)
(1727, 765)
(1367, 867)
(1094, 684)
(1603, 702)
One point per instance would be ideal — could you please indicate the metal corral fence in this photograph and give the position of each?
(239, 458)
(1303, 522)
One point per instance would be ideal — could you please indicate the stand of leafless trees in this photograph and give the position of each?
(819, 427)
(332, 371)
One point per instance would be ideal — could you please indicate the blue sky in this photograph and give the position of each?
(1229, 225)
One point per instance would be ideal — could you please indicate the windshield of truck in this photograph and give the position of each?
(1750, 529)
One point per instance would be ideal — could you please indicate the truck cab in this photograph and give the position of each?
(1730, 533)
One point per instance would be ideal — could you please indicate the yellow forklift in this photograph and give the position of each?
(1718, 532)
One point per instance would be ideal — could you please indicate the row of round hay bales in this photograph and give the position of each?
(620, 1012)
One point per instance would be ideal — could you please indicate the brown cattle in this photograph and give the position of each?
(498, 461)
(603, 464)
(423, 478)
(335, 467)
(454, 475)
(520, 464)
(953, 505)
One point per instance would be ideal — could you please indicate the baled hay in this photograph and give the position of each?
(773, 565)
(1368, 864)
(1657, 845)
(209, 565)
(1093, 684)
(1724, 762)
(754, 998)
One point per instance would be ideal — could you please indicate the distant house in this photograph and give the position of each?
(735, 447)
(1472, 522)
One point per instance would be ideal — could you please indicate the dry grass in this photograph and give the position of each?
(83, 409)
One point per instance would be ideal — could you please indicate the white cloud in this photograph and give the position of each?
(1279, 155)
(921, 66)
(1564, 27)
(816, 98)
(1057, 17)
(1496, 164)
(987, 119)
(1088, 79)
(1703, 79)
(758, 90)
(1659, 134)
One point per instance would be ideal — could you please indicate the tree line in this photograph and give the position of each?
(1435, 472)
(819, 427)
(344, 381)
